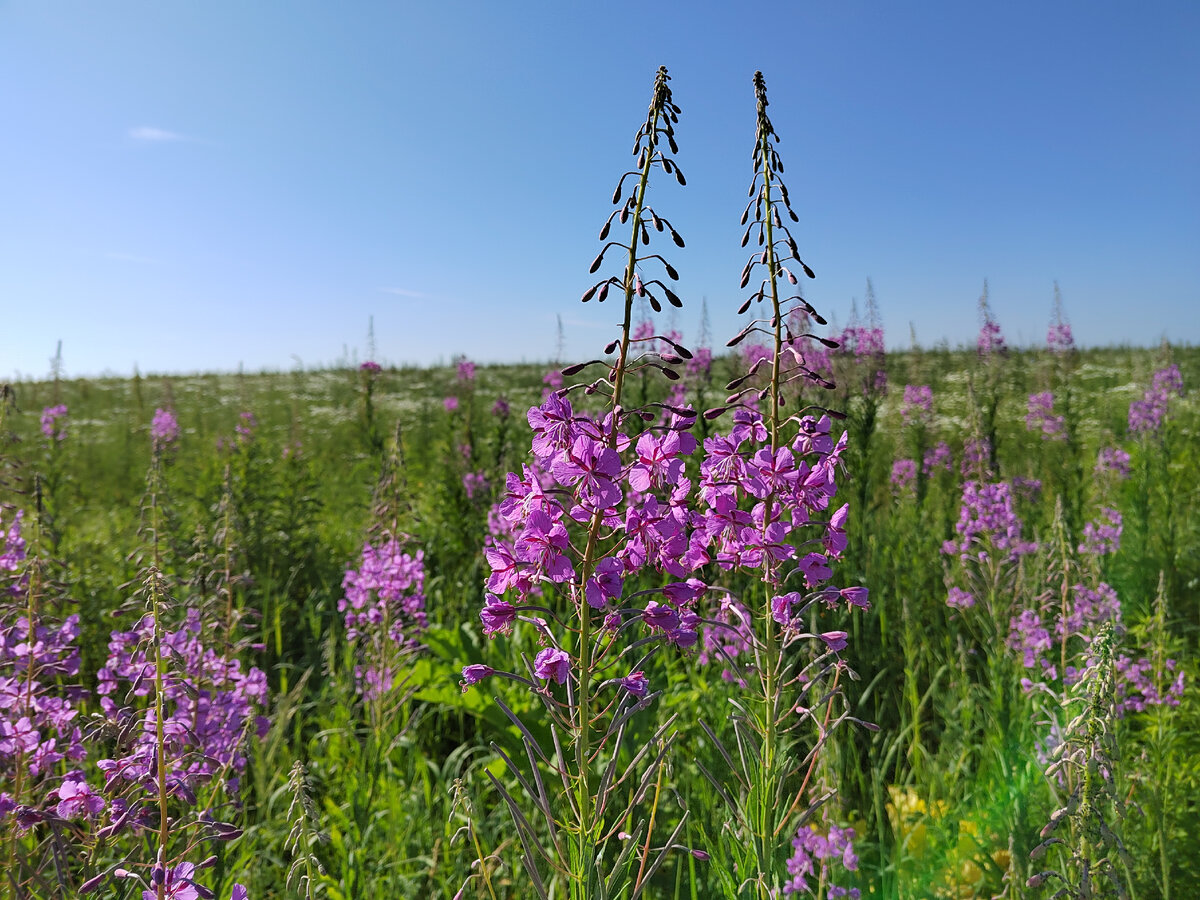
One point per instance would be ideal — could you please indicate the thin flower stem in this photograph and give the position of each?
(585, 802)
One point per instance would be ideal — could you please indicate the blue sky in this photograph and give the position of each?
(196, 186)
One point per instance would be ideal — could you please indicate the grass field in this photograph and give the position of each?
(207, 573)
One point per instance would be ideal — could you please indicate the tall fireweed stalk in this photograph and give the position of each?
(589, 512)
(177, 714)
(1087, 851)
(769, 487)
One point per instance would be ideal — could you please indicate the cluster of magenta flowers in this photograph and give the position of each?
(865, 344)
(1140, 685)
(917, 408)
(384, 607)
(164, 429)
(976, 459)
(815, 858)
(1112, 459)
(991, 339)
(370, 367)
(54, 426)
(246, 426)
(1102, 536)
(904, 474)
(209, 699)
(938, 458)
(12, 554)
(1041, 417)
(1035, 635)
(39, 725)
(1146, 415)
(1059, 337)
(987, 524)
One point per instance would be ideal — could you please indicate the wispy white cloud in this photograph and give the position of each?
(402, 292)
(150, 134)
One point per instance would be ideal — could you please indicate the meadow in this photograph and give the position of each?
(781, 615)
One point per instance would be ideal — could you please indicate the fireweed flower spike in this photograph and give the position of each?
(769, 486)
(590, 509)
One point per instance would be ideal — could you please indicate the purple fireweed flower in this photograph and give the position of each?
(475, 483)
(1146, 415)
(210, 701)
(960, 599)
(987, 523)
(593, 469)
(177, 883)
(991, 340)
(815, 854)
(370, 366)
(474, 674)
(976, 457)
(1139, 686)
(1112, 459)
(1092, 606)
(384, 606)
(12, 554)
(552, 663)
(834, 640)
(904, 474)
(500, 408)
(553, 427)
(782, 606)
(1102, 536)
(1059, 337)
(498, 616)
(937, 459)
(164, 429)
(542, 544)
(51, 427)
(76, 798)
(660, 617)
(606, 583)
(636, 683)
(1027, 488)
(729, 635)
(450, 403)
(1040, 417)
(855, 596)
(917, 408)
(684, 593)
(1028, 637)
(465, 370)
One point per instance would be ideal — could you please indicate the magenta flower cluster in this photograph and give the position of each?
(39, 727)
(917, 408)
(643, 498)
(210, 701)
(1146, 415)
(1112, 459)
(1140, 686)
(52, 427)
(12, 554)
(1103, 536)
(904, 474)
(991, 339)
(164, 429)
(976, 456)
(384, 607)
(815, 854)
(1059, 337)
(1041, 417)
(938, 459)
(987, 525)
